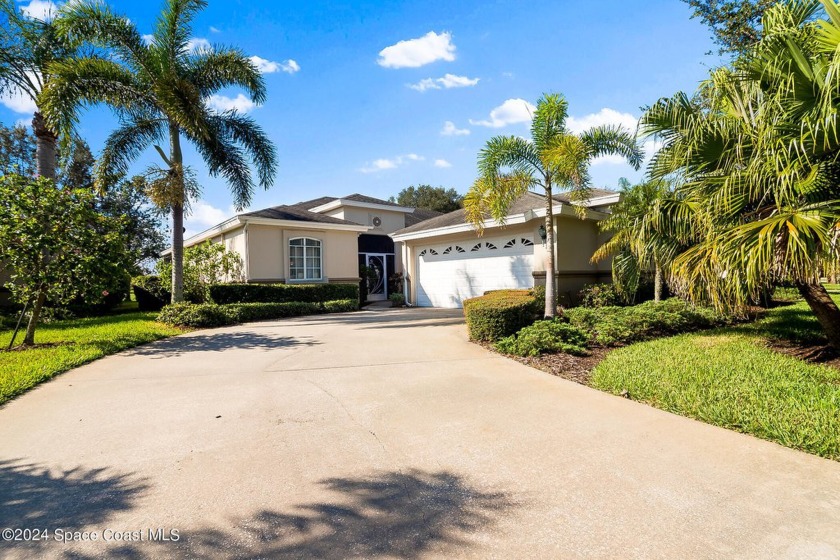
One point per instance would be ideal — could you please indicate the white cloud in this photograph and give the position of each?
(223, 103)
(448, 81)
(215, 29)
(442, 163)
(18, 101)
(198, 44)
(449, 129)
(414, 53)
(269, 67)
(43, 10)
(605, 116)
(512, 111)
(25, 123)
(383, 164)
(204, 216)
(148, 38)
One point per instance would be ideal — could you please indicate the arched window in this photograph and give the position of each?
(305, 259)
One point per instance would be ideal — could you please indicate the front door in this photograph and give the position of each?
(378, 282)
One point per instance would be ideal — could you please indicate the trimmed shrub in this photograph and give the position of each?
(543, 337)
(282, 293)
(599, 295)
(611, 325)
(208, 315)
(397, 300)
(150, 293)
(500, 313)
(341, 305)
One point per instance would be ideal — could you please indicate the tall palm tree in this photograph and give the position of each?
(28, 46)
(509, 166)
(757, 148)
(638, 244)
(159, 91)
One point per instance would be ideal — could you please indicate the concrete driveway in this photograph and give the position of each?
(384, 434)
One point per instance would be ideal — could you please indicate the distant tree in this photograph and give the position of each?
(438, 199)
(17, 151)
(735, 24)
(56, 245)
(204, 265)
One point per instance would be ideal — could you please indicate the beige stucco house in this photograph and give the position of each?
(322, 240)
(442, 258)
(446, 262)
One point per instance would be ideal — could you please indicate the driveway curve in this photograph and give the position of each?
(384, 434)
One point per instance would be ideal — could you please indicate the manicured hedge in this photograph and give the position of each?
(500, 313)
(207, 315)
(282, 293)
(546, 337)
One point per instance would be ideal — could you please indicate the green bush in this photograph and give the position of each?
(543, 337)
(150, 293)
(500, 313)
(611, 325)
(397, 299)
(599, 295)
(208, 315)
(282, 293)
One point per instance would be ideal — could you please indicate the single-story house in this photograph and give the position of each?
(322, 240)
(442, 258)
(446, 262)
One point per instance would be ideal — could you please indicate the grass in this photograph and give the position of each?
(729, 377)
(67, 344)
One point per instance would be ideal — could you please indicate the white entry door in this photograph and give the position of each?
(448, 274)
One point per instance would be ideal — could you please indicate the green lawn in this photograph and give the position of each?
(730, 378)
(67, 344)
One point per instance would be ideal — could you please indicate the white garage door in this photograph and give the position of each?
(449, 274)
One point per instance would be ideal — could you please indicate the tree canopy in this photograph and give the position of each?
(439, 199)
(735, 24)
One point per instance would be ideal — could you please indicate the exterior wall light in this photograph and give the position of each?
(542, 233)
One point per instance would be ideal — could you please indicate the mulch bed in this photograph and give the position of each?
(574, 368)
(812, 353)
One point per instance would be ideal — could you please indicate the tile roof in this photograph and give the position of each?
(298, 214)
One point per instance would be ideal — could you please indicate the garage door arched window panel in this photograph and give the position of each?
(305, 259)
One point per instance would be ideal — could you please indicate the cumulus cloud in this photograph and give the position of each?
(442, 163)
(413, 53)
(43, 10)
(449, 129)
(448, 81)
(383, 164)
(204, 215)
(606, 116)
(18, 102)
(512, 111)
(197, 44)
(148, 38)
(269, 67)
(223, 103)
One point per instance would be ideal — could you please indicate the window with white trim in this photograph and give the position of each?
(304, 259)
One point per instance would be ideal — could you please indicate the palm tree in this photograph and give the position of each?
(28, 46)
(159, 91)
(637, 244)
(757, 148)
(509, 166)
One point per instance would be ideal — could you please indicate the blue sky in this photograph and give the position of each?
(372, 97)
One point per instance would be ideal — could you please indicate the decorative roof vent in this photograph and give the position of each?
(376, 221)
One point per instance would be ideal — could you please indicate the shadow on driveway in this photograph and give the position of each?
(218, 342)
(32, 496)
(395, 515)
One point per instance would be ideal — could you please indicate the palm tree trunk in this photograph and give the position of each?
(825, 310)
(177, 164)
(657, 282)
(29, 339)
(45, 147)
(550, 283)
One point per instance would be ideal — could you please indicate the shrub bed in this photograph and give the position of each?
(282, 293)
(500, 313)
(543, 337)
(611, 325)
(208, 315)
